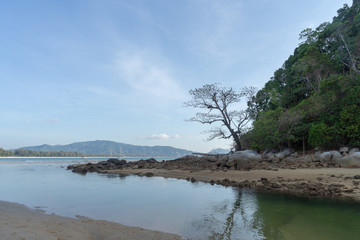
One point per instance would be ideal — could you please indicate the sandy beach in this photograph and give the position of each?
(17, 222)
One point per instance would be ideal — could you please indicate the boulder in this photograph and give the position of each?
(116, 161)
(224, 158)
(334, 156)
(245, 155)
(80, 169)
(285, 153)
(344, 150)
(151, 160)
(268, 153)
(354, 150)
(355, 158)
(352, 160)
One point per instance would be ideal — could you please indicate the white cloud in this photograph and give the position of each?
(146, 74)
(161, 136)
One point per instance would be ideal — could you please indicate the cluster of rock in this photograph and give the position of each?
(345, 156)
(298, 187)
(240, 160)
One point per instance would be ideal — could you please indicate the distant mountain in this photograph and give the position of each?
(219, 151)
(110, 148)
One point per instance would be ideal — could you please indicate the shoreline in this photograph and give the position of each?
(306, 176)
(82, 157)
(331, 183)
(20, 222)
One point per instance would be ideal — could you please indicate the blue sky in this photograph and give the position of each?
(80, 70)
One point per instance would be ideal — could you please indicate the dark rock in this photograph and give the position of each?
(115, 161)
(149, 174)
(80, 169)
(151, 160)
(264, 181)
(357, 177)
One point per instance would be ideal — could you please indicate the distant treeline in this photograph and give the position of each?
(30, 153)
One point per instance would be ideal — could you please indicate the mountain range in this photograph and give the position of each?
(111, 148)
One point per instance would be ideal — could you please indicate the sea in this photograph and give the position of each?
(192, 210)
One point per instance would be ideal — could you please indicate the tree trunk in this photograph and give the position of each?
(303, 142)
(236, 140)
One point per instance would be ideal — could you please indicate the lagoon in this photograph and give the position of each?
(192, 210)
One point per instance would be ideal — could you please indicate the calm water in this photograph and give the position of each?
(195, 211)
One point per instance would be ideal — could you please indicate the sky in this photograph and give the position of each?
(121, 70)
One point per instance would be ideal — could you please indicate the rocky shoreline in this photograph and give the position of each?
(328, 174)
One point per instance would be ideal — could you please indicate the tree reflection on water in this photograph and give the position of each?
(234, 219)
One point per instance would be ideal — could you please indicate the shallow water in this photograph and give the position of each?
(195, 211)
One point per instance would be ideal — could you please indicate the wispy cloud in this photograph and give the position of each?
(219, 30)
(53, 120)
(161, 136)
(143, 72)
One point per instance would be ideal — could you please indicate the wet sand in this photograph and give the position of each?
(18, 222)
(327, 182)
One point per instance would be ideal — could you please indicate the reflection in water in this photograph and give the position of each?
(291, 218)
(195, 211)
(254, 216)
(235, 220)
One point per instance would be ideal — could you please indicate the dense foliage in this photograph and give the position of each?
(313, 100)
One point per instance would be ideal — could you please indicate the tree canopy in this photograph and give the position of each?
(313, 100)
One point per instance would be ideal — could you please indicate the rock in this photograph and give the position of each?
(223, 158)
(317, 154)
(352, 160)
(80, 169)
(353, 150)
(243, 160)
(151, 160)
(357, 177)
(116, 161)
(273, 159)
(245, 155)
(264, 181)
(287, 152)
(344, 150)
(294, 155)
(225, 182)
(330, 156)
(211, 158)
(355, 156)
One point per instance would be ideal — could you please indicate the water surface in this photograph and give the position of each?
(195, 211)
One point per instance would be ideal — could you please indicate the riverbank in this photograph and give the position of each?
(325, 182)
(302, 176)
(20, 222)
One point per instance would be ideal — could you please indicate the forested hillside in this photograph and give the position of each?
(313, 100)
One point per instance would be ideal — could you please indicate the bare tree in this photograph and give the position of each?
(217, 101)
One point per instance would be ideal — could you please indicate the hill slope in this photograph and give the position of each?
(313, 100)
(102, 147)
